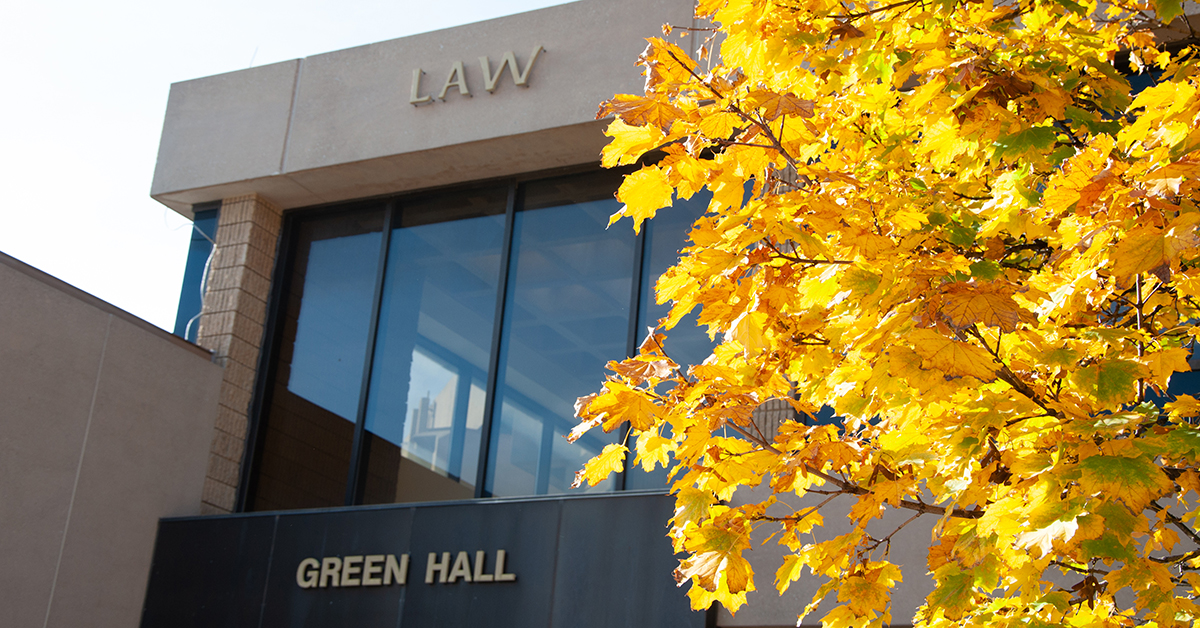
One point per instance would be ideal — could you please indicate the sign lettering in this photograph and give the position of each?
(457, 77)
(372, 570)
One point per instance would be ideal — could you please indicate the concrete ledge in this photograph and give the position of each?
(504, 156)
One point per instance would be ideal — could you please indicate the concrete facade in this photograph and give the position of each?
(339, 126)
(101, 433)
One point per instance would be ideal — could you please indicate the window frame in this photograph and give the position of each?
(272, 339)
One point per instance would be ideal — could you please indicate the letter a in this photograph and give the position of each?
(461, 81)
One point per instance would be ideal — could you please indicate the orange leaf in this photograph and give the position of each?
(639, 110)
(967, 303)
(775, 105)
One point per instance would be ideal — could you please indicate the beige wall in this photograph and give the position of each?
(765, 607)
(105, 422)
(339, 126)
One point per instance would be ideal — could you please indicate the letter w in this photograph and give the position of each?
(510, 60)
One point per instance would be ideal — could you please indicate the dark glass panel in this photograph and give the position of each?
(427, 396)
(308, 426)
(567, 314)
(191, 295)
(687, 343)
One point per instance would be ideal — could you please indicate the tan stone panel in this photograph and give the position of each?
(263, 238)
(239, 375)
(242, 352)
(256, 285)
(499, 157)
(223, 291)
(235, 398)
(230, 422)
(223, 469)
(49, 364)
(207, 509)
(227, 445)
(260, 261)
(237, 209)
(248, 330)
(235, 233)
(220, 495)
(229, 256)
(251, 308)
(216, 324)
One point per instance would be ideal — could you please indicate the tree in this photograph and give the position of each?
(950, 221)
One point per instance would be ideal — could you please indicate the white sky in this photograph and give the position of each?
(85, 90)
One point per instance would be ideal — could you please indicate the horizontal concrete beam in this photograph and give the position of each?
(343, 125)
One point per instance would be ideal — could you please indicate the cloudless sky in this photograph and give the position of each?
(85, 88)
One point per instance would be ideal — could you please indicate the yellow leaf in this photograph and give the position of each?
(653, 449)
(1044, 538)
(788, 572)
(1109, 382)
(775, 105)
(629, 143)
(953, 357)
(691, 506)
(721, 125)
(1154, 249)
(717, 559)
(1166, 362)
(644, 193)
(1135, 481)
(748, 330)
(1184, 406)
(610, 460)
(620, 403)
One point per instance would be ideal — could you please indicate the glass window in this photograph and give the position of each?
(308, 423)
(687, 343)
(566, 315)
(397, 326)
(428, 382)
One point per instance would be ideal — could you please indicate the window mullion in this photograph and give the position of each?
(356, 476)
(635, 316)
(489, 412)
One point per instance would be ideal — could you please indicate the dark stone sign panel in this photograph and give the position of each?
(560, 563)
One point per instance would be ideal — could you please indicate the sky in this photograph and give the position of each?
(85, 90)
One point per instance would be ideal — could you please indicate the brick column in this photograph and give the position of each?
(231, 326)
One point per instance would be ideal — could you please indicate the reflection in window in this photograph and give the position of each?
(308, 422)
(567, 314)
(432, 296)
(687, 343)
(331, 334)
(426, 403)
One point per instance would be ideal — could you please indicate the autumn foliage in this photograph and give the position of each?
(955, 224)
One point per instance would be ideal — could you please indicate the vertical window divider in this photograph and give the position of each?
(635, 316)
(489, 411)
(357, 475)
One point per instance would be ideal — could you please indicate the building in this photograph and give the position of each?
(405, 285)
(408, 284)
(104, 428)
